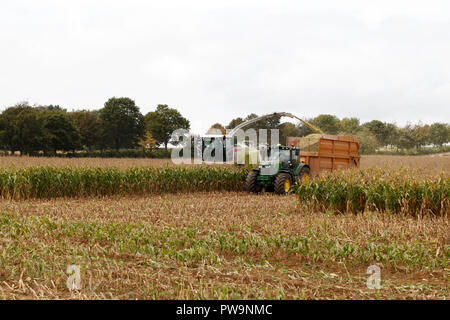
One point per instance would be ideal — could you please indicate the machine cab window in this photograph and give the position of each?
(295, 155)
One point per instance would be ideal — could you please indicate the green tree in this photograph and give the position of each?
(439, 133)
(89, 126)
(217, 126)
(21, 129)
(379, 130)
(122, 123)
(327, 123)
(421, 134)
(234, 123)
(367, 142)
(269, 123)
(350, 125)
(50, 107)
(163, 122)
(392, 134)
(406, 137)
(288, 129)
(60, 133)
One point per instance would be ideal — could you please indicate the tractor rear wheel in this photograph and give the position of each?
(283, 183)
(251, 182)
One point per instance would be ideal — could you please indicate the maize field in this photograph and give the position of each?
(377, 190)
(354, 191)
(54, 182)
(148, 229)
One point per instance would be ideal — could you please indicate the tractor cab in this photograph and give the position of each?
(273, 159)
(280, 169)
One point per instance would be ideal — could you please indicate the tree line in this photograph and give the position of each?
(120, 125)
(373, 135)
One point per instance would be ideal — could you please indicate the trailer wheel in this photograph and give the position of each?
(251, 182)
(283, 183)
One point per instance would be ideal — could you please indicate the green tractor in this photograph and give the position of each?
(279, 172)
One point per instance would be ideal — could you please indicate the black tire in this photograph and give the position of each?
(280, 186)
(304, 171)
(251, 183)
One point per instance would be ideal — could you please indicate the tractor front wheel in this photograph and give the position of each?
(283, 183)
(303, 174)
(251, 183)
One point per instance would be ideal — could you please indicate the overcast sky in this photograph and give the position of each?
(217, 60)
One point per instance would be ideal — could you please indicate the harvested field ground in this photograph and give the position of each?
(216, 246)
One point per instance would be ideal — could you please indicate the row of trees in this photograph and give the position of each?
(372, 135)
(119, 124)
